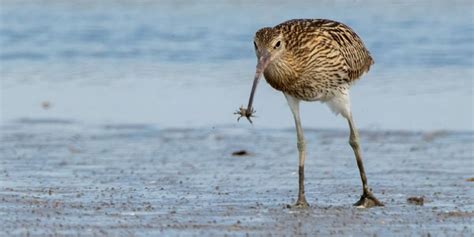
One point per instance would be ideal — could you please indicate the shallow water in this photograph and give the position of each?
(178, 64)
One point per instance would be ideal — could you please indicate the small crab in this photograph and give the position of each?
(243, 112)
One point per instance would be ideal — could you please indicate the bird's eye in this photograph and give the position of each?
(255, 45)
(277, 45)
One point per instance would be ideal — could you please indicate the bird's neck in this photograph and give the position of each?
(281, 74)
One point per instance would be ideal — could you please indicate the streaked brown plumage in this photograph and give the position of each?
(313, 60)
(321, 58)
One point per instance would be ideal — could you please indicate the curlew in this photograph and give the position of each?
(313, 60)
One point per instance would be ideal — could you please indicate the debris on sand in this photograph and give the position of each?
(431, 136)
(416, 200)
(455, 214)
(470, 179)
(46, 105)
(74, 150)
(240, 153)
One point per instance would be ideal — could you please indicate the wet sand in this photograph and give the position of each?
(61, 177)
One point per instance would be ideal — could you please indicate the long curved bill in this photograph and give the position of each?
(261, 65)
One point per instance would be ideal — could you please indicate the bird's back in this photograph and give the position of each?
(326, 56)
(322, 34)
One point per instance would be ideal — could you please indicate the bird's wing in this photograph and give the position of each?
(321, 57)
(321, 45)
(352, 49)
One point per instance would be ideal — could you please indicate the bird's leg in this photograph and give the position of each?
(367, 199)
(294, 106)
(301, 202)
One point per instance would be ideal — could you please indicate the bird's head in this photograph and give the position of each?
(269, 46)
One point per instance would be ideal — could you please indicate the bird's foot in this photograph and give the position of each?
(243, 112)
(300, 204)
(368, 200)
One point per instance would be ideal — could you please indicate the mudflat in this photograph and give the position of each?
(61, 177)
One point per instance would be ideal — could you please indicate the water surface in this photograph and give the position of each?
(181, 64)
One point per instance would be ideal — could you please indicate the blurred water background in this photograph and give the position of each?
(190, 63)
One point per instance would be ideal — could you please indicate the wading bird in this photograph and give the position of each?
(313, 60)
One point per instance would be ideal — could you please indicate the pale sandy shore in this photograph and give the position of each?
(65, 178)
